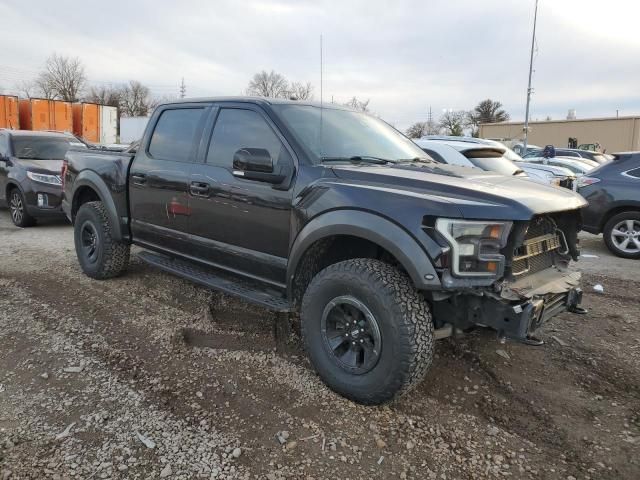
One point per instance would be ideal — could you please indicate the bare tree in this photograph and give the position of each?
(63, 78)
(135, 100)
(300, 91)
(26, 88)
(44, 88)
(420, 129)
(361, 105)
(453, 122)
(104, 96)
(272, 85)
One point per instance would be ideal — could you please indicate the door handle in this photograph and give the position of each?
(139, 178)
(199, 189)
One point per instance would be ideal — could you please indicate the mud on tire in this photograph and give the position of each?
(99, 254)
(367, 289)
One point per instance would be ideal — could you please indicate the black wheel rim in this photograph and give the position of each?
(16, 207)
(351, 335)
(89, 241)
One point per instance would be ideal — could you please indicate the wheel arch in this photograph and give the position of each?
(87, 187)
(615, 211)
(366, 235)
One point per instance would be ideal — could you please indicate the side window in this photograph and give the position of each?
(4, 145)
(236, 129)
(174, 135)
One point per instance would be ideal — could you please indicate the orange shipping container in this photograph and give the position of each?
(42, 114)
(86, 121)
(9, 112)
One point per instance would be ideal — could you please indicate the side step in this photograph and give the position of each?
(251, 293)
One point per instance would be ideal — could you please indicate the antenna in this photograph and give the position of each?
(526, 115)
(183, 89)
(321, 106)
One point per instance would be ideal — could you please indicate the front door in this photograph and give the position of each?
(239, 224)
(4, 165)
(159, 178)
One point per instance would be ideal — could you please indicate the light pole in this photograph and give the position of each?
(526, 114)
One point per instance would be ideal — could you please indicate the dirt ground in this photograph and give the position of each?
(149, 376)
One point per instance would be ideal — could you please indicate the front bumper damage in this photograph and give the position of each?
(518, 308)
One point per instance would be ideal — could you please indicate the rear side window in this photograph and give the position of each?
(236, 129)
(634, 173)
(175, 134)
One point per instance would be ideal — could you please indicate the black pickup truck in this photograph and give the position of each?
(335, 215)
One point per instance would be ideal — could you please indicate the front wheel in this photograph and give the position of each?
(18, 209)
(622, 234)
(99, 254)
(367, 331)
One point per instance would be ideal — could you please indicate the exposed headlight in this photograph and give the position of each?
(475, 246)
(42, 178)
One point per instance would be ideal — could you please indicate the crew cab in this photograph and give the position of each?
(334, 215)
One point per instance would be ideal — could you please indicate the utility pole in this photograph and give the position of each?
(526, 115)
(183, 89)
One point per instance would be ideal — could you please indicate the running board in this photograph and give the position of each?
(251, 293)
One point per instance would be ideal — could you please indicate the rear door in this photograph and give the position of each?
(159, 177)
(240, 224)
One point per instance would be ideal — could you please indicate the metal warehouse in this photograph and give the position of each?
(614, 134)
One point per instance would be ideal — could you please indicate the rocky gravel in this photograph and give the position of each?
(149, 376)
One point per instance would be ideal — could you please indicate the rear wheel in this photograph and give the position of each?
(18, 209)
(99, 254)
(368, 332)
(622, 234)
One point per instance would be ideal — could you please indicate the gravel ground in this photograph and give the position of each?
(148, 376)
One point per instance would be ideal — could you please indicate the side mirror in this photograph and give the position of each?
(256, 164)
(253, 160)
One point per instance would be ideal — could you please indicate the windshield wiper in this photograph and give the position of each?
(357, 159)
(416, 159)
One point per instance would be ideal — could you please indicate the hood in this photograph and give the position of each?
(53, 167)
(477, 194)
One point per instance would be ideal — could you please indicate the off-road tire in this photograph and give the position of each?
(608, 229)
(405, 325)
(111, 257)
(22, 218)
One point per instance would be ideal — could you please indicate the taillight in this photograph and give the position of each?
(585, 181)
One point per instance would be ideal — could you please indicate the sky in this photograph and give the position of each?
(405, 56)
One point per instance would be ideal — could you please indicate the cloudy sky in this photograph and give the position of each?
(405, 56)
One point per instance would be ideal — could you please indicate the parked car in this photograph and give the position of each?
(334, 214)
(484, 157)
(597, 157)
(580, 166)
(613, 193)
(30, 165)
(495, 157)
(519, 148)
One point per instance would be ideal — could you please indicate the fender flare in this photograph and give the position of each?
(91, 179)
(368, 226)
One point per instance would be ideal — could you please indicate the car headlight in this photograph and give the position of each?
(585, 181)
(475, 246)
(43, 178)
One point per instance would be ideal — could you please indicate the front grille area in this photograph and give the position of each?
(538, 249)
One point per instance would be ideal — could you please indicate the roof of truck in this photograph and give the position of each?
(259, 100)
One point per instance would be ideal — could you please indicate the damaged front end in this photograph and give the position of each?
(536, 283)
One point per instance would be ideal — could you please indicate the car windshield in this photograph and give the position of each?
(332, 134)
(39, 148)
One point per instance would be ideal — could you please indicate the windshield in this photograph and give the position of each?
(346, 134)
(40, 148)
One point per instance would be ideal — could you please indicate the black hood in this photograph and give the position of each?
(51, 167)
(477, 194)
